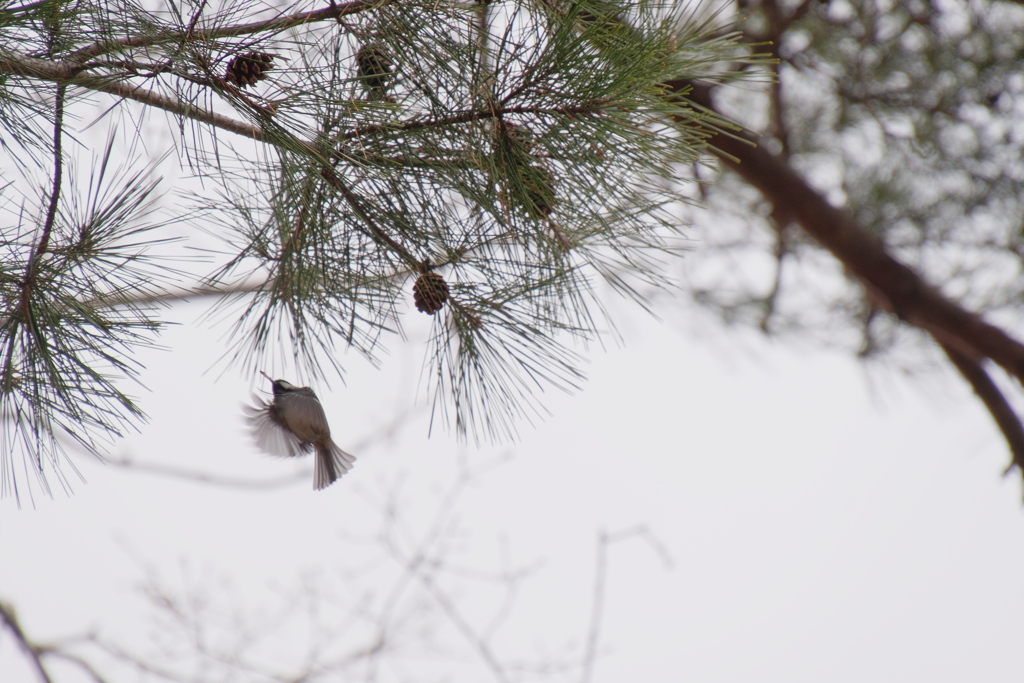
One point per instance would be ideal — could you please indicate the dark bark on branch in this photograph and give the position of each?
(1000, 409)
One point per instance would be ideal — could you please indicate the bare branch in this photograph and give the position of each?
(482, 646)
(206, 478)
(159, 469)
(10, 620)
(185, 294)
(80, 662)
(1000, 409)
(896, 287)
(604, 541)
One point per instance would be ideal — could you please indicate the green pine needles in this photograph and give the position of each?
(74, 290)
(523, 151)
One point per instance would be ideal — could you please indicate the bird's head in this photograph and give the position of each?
(280, 385)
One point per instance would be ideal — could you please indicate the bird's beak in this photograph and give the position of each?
(267, 376)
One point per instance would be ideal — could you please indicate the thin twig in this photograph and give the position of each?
(604, 541)
(482, 647)
(169, 62)
(467, 117)
(130, 659)
(175, 106)
(145, 467)
(596, 607)
(176, 295)
(43, 245)
(357, 207)
(206, 478)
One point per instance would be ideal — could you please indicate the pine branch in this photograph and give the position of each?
(271, 26)
(68, 73)
(488, 114)
(357, 207)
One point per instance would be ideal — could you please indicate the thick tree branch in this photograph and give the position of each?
(173, 105)
(891, 284)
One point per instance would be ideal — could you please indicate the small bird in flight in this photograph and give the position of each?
(293, 424)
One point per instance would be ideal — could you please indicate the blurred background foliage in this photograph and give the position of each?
(908, 114)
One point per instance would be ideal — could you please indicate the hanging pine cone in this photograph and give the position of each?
(518, 135)
(430, 292)
(540, 192)
(373, 67)
(245, 70)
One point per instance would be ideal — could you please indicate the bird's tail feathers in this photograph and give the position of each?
(331, 463)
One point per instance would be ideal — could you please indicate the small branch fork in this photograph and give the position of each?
(36, 653)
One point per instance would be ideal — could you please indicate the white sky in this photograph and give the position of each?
(817, 532)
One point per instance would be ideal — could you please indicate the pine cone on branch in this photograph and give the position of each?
(374, 67)
(246, 69)
(540, 191)
(430, 293)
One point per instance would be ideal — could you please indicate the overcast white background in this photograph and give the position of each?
(818, 529)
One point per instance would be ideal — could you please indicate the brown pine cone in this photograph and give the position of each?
(245, 70)
(373, 66)
(429, 293)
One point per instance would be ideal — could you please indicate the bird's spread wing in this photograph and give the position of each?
(270, 433)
